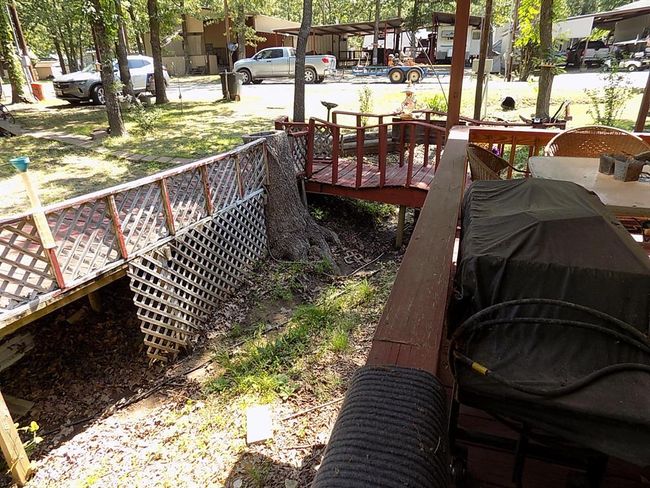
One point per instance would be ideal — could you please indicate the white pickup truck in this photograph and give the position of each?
(280, 62)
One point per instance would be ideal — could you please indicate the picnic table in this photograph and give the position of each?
(631, 198)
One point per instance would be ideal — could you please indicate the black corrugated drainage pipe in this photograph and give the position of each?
(391, 432)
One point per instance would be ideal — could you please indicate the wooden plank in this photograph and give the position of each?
(415, 313)
(18, 407)
(411, 197)
(12, 447)
(14, 349)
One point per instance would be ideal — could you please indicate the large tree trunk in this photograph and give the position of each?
(486, 26)
(156, 52)
(301, 50)
(104, 43)
(122, 52)
(138, 42)
(8, 53)
(59, 53)
(186, 45)
(546, 51)
(375, 40)
(292, 232)
(240, 24)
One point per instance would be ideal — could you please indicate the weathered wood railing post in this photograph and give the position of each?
(12, 447)
(205, 181)
(361, 142)
(383, 153)
(40, 220)
(167, 207)
(336, 148)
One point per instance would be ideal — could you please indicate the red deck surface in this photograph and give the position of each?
(395, 175)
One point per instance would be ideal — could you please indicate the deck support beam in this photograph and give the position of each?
(12, 447)
(401, 217)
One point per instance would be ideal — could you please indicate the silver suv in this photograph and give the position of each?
(86, 84)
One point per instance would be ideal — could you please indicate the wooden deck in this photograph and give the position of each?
(412, 329)
(393, 190)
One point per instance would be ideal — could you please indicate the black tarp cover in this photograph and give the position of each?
(549, 239)
(535, 238)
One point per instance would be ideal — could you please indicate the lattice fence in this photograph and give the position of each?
(98, 233)
(24, 265)
(176, 288)
(298, 147)
(323, 140)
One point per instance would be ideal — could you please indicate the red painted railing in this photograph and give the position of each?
(100, 231)
(332, 144)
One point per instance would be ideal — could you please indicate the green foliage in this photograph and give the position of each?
(265, 366)
(528, 40)
(607, 103)
(8, 53)
(436, 102)
(365, 103)
(146, 119)
(377, 212)
(34, 439)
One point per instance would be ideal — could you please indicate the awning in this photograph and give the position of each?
(450, 19)
(354, 29)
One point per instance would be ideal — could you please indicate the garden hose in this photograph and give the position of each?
(625, 333)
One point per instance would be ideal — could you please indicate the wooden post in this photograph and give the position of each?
(480, 73)
(167, 207)
(40, 221)
(12, 447)
(458, 62)
(401, 216)
(643, 110)
(95, 301)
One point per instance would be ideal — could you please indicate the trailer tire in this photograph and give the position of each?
(414, 76)
(396, 76)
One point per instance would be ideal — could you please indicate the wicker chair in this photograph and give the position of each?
(592, 141)
(485, 165)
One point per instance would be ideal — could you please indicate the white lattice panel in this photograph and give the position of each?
(177, 289)
(24, 267)
(142, 216)
(84, 238)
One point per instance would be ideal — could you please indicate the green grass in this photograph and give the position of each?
(191, 130)
(268, 367)
(61, 171)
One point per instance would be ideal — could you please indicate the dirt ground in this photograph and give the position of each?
(110, 419)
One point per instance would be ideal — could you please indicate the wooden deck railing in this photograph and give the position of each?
(330, 143)
(101, 231)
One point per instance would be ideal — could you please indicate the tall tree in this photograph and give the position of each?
(375, 40)
(301, 51)
(8, 54)
(98, 15)
(547, 61)
(156, 52)
(123, 51)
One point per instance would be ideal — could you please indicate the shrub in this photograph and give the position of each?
(436, 102)
(607, 103)
(365, 103)
(145, 118)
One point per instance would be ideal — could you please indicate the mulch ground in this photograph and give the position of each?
(109, 418)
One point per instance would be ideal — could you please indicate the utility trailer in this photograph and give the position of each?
(396, 74)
